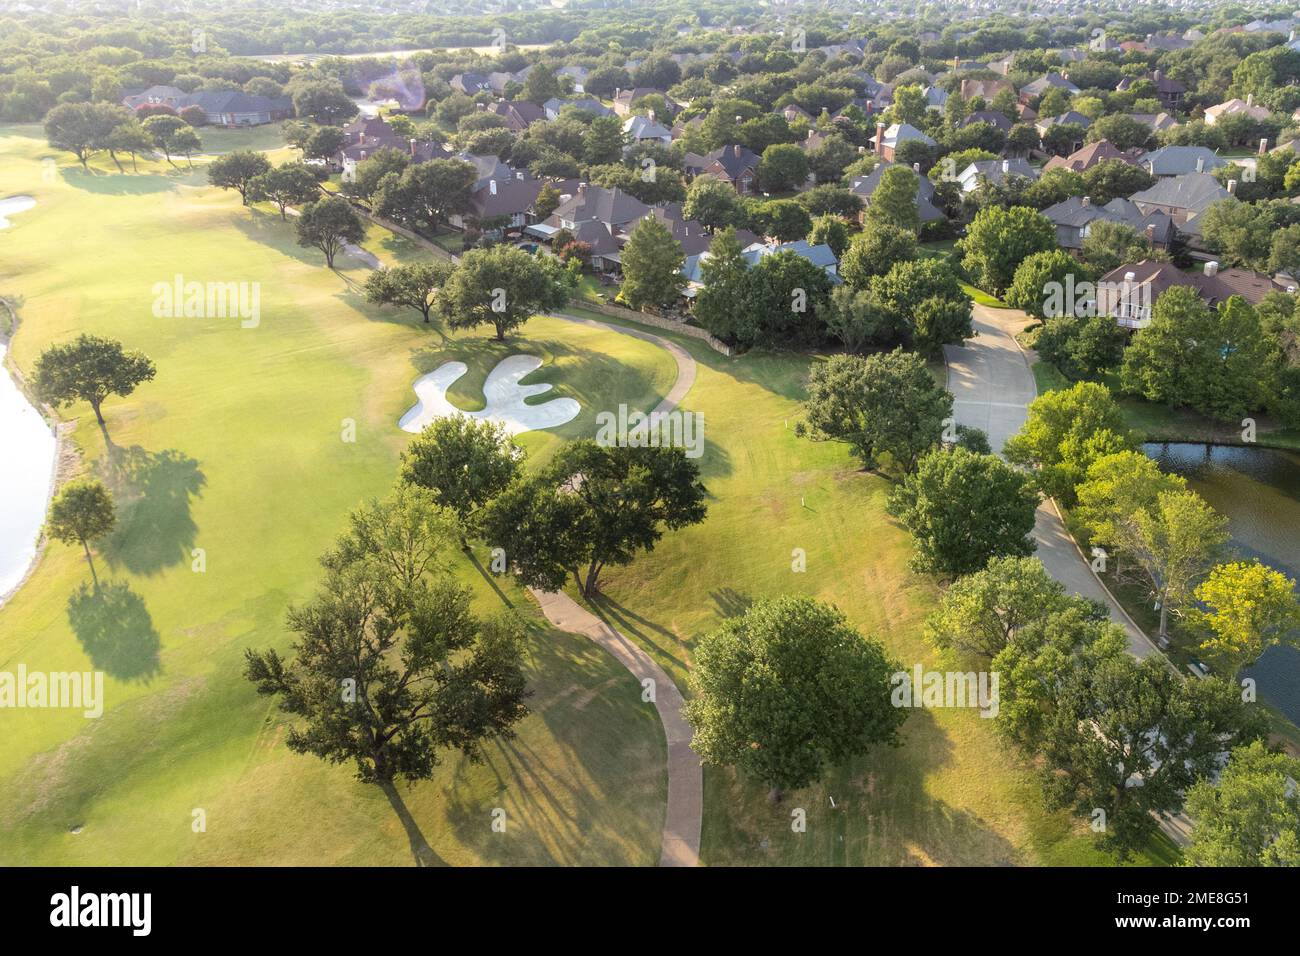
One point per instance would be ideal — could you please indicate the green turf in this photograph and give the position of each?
(236, 448)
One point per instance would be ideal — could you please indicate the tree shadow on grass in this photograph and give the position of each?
(489, 578)
(155, 528)
(659, 640)
(117, 184)
(423, 854)
(730, 602)
(268, 229)
(115, 630)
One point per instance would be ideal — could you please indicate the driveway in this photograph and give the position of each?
(992, 385)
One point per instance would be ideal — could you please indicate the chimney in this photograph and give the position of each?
(1200, 164)
(1151, 234)
(1006, 165)
(1263, 145)
(916, 168)
(956, 62)
(738, 119)
(1232, 187)
(1250, 99)
(861, 150)
(361, 138)
(1211, 269)
(1156, 76)
(1087, 201)
(492, 186)
(412, 147)
(880, 136)
(651, 114)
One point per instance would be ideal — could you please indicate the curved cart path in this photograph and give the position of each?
(682, 819)
(992, 385)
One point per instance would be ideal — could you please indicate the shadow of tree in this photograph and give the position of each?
(423, 854)
(115, 630)
(155, 528)
(117, 184)
(730, 602)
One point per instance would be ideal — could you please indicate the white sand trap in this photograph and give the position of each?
(11, 205)
(502, 394)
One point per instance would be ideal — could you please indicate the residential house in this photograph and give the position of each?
(992, 117)
(1128, 293)
(1156, 122)
(1068, 118)
(623, 99)
(795, 112)
(864, 186)
(1169, 92)
(471, 83)
(1044, 83)
(1236, 107)
(994, 172)
(644, 129)
(887, 140)
(227, 108)
(365, 136)
(819, 255)
(597, 216)
(1088, 156)
(554, 106)
(1073, 218)
(1181, 160)
(577, 74)
(985, 89)
(935, 98)
(734, 165)
(1183, 198)
(518, 114)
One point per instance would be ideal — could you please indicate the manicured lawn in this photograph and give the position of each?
(263, 138)
(237, 449)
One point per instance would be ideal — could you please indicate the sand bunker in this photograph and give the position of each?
(502, 393)
(14, 204)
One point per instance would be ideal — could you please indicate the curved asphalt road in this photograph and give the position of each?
(991, 382)
(682, 818)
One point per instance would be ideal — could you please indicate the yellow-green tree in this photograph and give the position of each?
(1249, 607)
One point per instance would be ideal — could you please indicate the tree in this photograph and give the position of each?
(652, 266)
(163, 130)
(1172, 545)
(324, 142)
(547, 201)
(237, 169)
(185, 142)
(787, 690)
(1123, 132)
(290, 184)
(1065, 431)
(1112, 178)
(426, 193)
(783, 167)
(887, 407)
(540, 85)
(375, 167)
(963, 509)
(1109, 245)
(603, 141)
(89, 369)
(1246, 608)
(1128, 737)
(1217, 361)
(832, 231)
(720, 303)
(414, 285)
(894, 200)
(129, 137)
(857, 320)
(874, 251)
(1081, 348)
(924, 297)
(83, 128)
(593, 507)
(984, 611)
(1043, 281)
(829, 160)
(783, 219)
(325, 102)
(80, 513)
(390, 664)
(463, 462)
(329, 224)
(504, 287)
(1250, 815)
(998, 240)
(1116, 487)
(786, 300)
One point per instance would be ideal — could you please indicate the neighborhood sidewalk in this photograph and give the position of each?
(992, 385)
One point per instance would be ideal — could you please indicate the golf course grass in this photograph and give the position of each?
(239, 448)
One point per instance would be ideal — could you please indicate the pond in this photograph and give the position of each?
(26, 473)
(1258, 490)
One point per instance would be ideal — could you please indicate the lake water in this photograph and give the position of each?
(26, 472)
(1258, 490)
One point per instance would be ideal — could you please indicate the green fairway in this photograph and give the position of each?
(239, 448)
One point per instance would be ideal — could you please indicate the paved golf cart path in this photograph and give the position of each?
(682, 819)
(992, 385)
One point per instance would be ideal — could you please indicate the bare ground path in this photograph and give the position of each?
(684, 813)
(992, 385)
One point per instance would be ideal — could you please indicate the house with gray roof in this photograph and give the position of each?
(864, 186)
(1181, 160)
(995, 172)
(555, 106)
(1073, 218)
(1183, 198)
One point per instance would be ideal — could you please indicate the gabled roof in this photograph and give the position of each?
(1088, 156)
(864, 186)
(1068, 117)
(734, 159)
(998, 170)
(902, 133)
(1191, 191)
(642, 127)
(556, 105)
(596, 203)
(1049, 81)
(1177, 160)
(992, 117)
